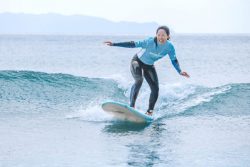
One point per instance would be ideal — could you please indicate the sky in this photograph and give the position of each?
(183, 16)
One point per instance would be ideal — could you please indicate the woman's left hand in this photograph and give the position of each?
(185, 74)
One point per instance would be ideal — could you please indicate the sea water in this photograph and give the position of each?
(52, 88)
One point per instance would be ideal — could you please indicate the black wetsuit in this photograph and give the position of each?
(138, 70)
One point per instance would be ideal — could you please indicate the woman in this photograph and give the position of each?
(142, 63)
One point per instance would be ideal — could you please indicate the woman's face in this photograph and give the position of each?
(162, 36)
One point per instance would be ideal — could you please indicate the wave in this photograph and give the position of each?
(226, 100)
(80, 97)
(37, 91)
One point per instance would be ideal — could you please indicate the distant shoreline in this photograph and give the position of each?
(74, 24)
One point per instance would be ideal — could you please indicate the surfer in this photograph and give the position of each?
(142, 64)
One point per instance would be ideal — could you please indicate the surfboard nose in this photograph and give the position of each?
(125, 112)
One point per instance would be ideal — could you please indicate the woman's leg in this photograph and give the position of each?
(136, 71)
(152, 79)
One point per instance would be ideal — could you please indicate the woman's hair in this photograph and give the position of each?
(166, 29)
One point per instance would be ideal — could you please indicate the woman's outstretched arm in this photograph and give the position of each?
(130, 44)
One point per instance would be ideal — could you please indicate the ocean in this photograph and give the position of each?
(52, 88)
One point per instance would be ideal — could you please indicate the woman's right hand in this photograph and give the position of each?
(109, 43)
(185, 74)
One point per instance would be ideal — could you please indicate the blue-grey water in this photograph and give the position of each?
(52, 87)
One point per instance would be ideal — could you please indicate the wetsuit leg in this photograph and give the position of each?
(152, 79)
(136, 71)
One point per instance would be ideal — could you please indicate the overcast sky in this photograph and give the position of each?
(183, 16)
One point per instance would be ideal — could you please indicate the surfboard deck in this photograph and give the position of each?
(125, 112)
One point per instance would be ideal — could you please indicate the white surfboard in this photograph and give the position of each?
(125, 112)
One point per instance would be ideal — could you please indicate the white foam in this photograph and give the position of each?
(122, 81)
(176, 90)
(170, 94)
(202, 98)
(93, 113)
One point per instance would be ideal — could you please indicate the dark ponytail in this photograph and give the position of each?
(166, 29)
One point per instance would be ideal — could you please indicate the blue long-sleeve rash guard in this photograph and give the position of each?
(150, 53)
